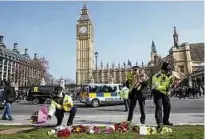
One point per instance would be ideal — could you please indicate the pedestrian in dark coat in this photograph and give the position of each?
(9, 97)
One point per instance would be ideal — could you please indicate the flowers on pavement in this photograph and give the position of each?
(64, 131)
(122, 127)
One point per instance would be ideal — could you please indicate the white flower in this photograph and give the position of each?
(92, 131)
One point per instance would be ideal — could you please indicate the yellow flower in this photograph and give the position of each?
(78, 129)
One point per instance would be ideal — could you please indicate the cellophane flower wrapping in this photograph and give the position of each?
(40, 116)
(109, 130)
(121, 127)
(94, 130)
(150, 130)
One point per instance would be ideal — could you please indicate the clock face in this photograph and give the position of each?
(83, 29)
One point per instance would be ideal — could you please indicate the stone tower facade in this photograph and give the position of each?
(181, 56)
(153, 58)
(85, 48)
(185, 57)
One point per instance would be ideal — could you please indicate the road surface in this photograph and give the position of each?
(178, 106)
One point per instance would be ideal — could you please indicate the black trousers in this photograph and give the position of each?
(60, 115)
(126, 102)
(159, 100)
(134, 96)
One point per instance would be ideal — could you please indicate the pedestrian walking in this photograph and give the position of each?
(9, 97)
(138, 93)
(161, 83)
(124, 93)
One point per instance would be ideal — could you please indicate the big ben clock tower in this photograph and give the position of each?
(85, 51)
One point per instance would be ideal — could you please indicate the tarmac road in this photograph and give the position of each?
(178, 106)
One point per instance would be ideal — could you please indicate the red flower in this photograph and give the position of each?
(96, 130)
(64, 133)
(126, 126)
(121, 127)
(116, 127)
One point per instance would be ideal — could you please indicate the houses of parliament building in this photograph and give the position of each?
(87, 71)
(185, 58)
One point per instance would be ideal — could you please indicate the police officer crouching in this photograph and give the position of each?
(60, 104)
(161, 83)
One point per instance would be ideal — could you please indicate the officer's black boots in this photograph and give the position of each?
(142, 120)
(168, 123)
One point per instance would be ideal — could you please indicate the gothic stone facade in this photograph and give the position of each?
(185, 58)
(112, 74)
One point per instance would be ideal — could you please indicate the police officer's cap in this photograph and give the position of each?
(166, 66)
(135, 67)
(58, 88)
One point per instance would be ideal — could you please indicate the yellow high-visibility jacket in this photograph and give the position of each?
(161, 82)
(67, 105)
(124, 93)
(130, 78)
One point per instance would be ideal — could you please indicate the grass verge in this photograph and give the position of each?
(179, 132)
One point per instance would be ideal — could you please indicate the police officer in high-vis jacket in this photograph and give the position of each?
(60, 104)
(136, 95)
(161, 83)
(130, 78)
(124, 93)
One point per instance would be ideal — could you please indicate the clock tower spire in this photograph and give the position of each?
(84, 47)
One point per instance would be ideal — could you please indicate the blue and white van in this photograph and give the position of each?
(97, 94)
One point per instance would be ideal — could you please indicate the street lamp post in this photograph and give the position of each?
(96, 65)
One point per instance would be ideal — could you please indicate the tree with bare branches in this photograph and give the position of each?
(30, 72)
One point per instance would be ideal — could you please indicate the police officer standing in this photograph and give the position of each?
(161, 83)
(124, 95)
(137, 94)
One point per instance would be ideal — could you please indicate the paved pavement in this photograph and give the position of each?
(189, 111)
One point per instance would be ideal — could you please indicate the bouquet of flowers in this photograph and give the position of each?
(109, 130)
(151, 130)
(51, 132)
(34, 117)
(122, 127)
(80, 129)
(67, 106)
(40, 116)
(136, 129)
(94, 130)
(64, 132)
(166, 130)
